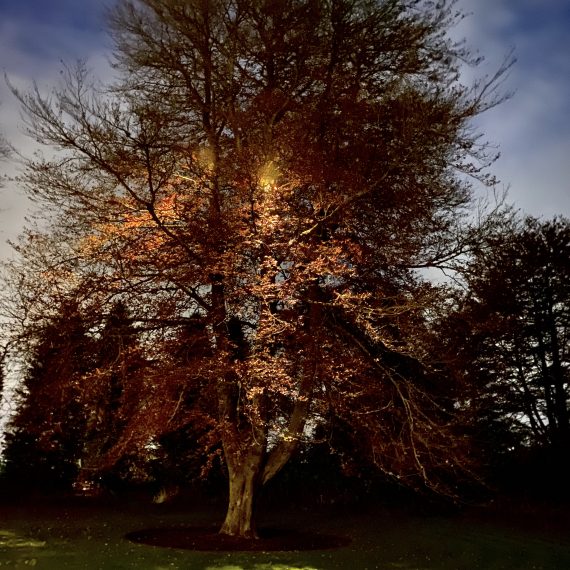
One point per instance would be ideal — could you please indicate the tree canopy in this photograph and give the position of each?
(259, 186)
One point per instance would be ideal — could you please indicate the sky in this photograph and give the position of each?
(531, 129)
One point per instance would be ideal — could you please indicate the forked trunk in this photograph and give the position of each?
(244, 481)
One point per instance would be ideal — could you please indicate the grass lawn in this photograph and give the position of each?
(88, 536)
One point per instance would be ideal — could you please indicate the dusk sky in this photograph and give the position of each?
(532, 130)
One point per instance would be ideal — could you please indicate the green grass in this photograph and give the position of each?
(89, 537)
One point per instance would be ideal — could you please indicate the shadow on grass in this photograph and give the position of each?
(207, 539)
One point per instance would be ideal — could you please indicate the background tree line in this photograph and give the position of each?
(511, 332)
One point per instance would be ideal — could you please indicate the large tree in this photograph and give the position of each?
(274, 172)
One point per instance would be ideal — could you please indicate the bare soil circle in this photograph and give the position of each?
(207, 539)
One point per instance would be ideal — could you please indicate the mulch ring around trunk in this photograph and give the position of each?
(208, 539)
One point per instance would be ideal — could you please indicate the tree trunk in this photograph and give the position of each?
(245, 483)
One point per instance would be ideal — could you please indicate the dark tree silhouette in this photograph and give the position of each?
(45, 438)
(514, 327)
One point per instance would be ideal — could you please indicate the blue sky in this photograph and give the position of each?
(532, 129)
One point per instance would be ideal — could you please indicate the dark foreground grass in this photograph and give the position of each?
(92, 536)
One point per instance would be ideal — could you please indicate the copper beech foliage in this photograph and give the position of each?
(274, 171)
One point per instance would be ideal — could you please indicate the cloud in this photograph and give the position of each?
(539, 183)
(34, 33)
(532, 129)
(36, 37)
